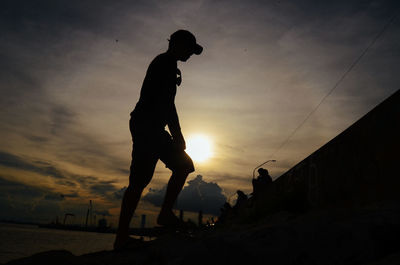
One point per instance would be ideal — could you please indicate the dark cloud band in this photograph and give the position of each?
(198, 195)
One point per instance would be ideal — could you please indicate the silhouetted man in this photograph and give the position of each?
(241, 201)
(155, 110)
(264, 176)
(261, 182)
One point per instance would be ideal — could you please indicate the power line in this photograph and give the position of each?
(358, 59)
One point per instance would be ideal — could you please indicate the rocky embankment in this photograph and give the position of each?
(369, 236)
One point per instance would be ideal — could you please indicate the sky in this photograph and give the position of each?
(71, 72)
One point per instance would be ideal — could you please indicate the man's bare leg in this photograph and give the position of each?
(129, 203)
(175, 186)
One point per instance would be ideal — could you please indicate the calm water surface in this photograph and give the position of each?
(19, 241)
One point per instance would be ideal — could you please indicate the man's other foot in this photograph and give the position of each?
(126, 243)
(168, 219)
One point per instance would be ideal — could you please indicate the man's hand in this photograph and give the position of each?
(179, 142)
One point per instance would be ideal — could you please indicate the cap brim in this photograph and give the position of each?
(197, 49)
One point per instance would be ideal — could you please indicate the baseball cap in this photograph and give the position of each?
(186, 38)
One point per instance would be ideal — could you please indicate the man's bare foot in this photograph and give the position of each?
(168, 218)
(121, 243)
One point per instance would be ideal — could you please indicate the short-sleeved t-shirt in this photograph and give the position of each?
(154, 110)
(156, 103)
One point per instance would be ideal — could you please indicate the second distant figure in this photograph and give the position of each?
(151, 142)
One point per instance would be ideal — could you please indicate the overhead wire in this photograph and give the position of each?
(349, 69)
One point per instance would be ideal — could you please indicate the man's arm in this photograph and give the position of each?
(175, 128)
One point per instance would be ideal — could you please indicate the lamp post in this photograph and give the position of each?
(254, 170)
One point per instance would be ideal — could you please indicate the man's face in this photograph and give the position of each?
(185, 55)
(184, 52)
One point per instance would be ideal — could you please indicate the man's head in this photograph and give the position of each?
(263, 171)
(183, 44)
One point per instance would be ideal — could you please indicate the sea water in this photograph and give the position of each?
(18, 241)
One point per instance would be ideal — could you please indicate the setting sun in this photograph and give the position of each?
(199, 147)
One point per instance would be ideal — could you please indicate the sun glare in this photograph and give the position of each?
(199, 147)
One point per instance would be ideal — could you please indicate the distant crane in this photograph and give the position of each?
(66, 215)
(89, 213)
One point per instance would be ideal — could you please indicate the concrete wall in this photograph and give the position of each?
(358, 167)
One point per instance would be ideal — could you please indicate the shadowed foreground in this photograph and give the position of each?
(368, 236)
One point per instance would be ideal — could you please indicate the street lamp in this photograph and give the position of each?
(254, 170)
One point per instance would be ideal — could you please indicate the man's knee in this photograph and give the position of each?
(139, 180)
(180, 174)
(181, 164)
(184, 168)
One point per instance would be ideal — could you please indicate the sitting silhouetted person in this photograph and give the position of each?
(241, 200)
(226, 211)
(261, 183)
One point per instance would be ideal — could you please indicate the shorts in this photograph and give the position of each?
(150, 145)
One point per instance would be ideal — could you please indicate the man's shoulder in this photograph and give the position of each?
(163, 59)
(162, 64)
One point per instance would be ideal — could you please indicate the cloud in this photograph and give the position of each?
(36, 139)
(61, 117)
(102, 212)
(94, 185)
(43, 168)
(103, 188)
(27, 202)
(70, 195)
(12, 188)
(54, 197)
(91, 184)
(106, 189)
(119, 193)
(64, 182)
(198, 195)
(20, 201)
(45, 47)
(155, 196)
